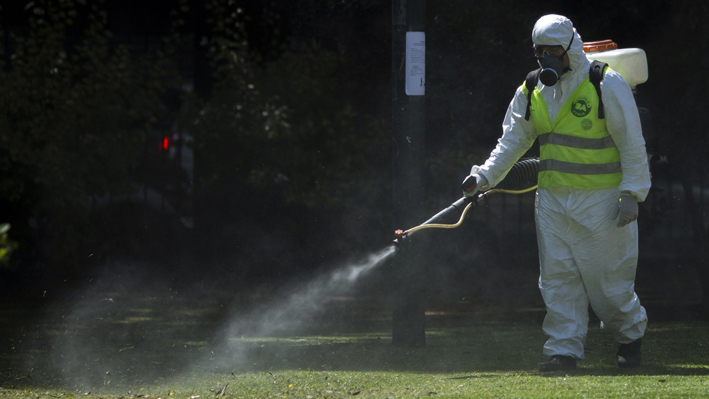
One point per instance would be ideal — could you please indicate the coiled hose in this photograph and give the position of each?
(522, 173)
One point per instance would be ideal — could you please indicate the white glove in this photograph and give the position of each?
(627, 209)
(470, 185)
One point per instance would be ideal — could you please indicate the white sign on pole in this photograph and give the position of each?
(415, 63)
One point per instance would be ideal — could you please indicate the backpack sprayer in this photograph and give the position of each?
(523, 173)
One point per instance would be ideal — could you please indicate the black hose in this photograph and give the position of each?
(523, 173)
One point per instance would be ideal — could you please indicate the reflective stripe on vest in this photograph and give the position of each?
(579, 168)
(576, 142)
(576, 150)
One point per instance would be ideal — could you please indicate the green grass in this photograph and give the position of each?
(487, 359)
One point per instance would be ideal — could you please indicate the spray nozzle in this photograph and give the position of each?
(402, 236)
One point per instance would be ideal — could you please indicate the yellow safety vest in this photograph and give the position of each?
(576, 150)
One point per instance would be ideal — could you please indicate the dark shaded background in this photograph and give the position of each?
(286, 108)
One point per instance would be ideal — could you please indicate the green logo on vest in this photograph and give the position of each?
(586, 124)
(581, 107)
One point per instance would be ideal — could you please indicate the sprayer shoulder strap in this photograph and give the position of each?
(595, 75)
(530, 83)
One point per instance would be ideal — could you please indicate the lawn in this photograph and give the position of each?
(132, 335)
(167, 348)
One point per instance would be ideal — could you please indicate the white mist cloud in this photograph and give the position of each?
(129, 326)
(305, 302)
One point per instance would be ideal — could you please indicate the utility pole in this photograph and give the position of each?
(408, 119)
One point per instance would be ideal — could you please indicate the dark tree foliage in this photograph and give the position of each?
(289, 115)
(74, 111)
(293, 138)
(474, 65)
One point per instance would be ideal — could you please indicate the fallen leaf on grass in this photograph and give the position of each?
(662, 380)
(354, 393)
(432, 393)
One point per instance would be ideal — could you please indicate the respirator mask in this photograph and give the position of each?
(551, 59)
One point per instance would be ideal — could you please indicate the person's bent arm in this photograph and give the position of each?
(623, 124)
(518, 135)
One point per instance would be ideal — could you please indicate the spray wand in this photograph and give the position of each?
(522, 173)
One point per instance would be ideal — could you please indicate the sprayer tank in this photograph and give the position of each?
(631, 63)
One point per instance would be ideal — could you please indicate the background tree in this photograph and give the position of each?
(681, 117)
(288, 104)
(290, 144)
(74, 112)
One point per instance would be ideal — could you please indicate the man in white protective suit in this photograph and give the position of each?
(593, 171)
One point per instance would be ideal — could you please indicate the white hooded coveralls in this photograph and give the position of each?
(584, 257)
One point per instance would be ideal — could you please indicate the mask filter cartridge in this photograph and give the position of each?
(552, 68)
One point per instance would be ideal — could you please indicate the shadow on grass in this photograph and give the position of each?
(125, 341)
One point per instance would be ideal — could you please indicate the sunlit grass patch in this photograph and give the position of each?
(343, 384)
(315, 340)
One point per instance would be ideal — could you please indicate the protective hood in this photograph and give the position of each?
(557, 30)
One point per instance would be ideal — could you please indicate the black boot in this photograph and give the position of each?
(629, 354)
(558, 362)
